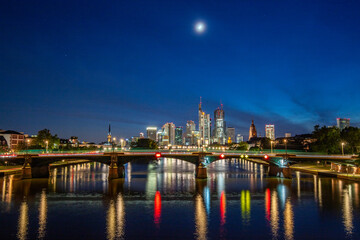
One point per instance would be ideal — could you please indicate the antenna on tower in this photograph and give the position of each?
(221, 105)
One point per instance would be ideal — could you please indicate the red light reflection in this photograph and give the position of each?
(222, 208)
(267, 203)
(157, 208)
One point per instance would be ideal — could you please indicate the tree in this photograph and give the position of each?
(4, 148)
(45, 135)
(327, 140)
(351, 136)
(21, 146)
(145, 143)
(265, 143)
(255, 149)
(242, 146)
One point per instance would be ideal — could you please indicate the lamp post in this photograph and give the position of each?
(121, 144)
(47, 145)
(271, 143)
(342, 148)
(113, 144)
(27, 145)
(285, 148)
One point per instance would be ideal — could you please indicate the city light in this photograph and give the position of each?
(103, 136)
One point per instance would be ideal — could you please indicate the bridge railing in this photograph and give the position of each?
(209, 149)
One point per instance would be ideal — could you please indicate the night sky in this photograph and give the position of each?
(75, 66)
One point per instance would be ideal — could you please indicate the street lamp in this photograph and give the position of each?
(271, 143)
(47, 145)
(285, 141)
(342, 148)
(121, 143)
(113, 144)
(27, 145)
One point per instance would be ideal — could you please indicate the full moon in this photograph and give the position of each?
(200, 27)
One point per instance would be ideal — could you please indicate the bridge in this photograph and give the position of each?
(37, 165)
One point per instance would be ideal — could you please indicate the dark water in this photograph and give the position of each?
(165, 201)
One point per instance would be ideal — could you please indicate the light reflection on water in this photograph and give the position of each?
(200, 218)
(23, 221)
(348, 212)
(115, 219)
(42, 214)
(155, 196)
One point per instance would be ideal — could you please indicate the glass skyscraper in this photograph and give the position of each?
(179, 136)
(219, 134)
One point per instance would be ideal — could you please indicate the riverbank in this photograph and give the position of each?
(315, 169)
(9, 170)
(322, 170)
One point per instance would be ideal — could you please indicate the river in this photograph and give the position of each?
(163, 200)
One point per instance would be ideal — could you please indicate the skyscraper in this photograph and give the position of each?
(343, 123)
(151, 133)
(204, 126)
(230, 133)
(159, 135)
(179, 136)
(168, 134)
(239, 138)
(252, 131)
(219, 128)
(195, 137)
(190, 127)
(270, 131)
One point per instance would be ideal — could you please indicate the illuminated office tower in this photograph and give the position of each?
(270, 131)
(219, 134)
(168, 134)
(179, 136)
(230, 134)
(204, 126)
(159, 135)
(239, 138)
(151, 133)
(190, 127)
(252, 131)
(343, 123)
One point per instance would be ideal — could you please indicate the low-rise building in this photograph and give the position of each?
(13, 139)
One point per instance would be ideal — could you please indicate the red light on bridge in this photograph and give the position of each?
(158, 155)
(266, 157)
(222, 156)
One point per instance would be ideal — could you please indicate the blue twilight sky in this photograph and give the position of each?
(75, 66)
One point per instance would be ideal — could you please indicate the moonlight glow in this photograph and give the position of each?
(200, 27)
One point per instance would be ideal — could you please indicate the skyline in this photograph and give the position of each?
(74, 70)
(259, 132)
